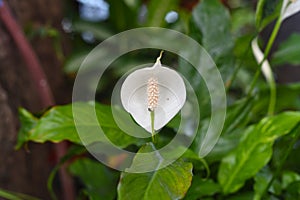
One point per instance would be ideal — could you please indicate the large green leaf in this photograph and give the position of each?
(57, 124)
(212, 20)
(171, 182)
(99, 181)
(157, 11)
(254, 150)
(288, 51)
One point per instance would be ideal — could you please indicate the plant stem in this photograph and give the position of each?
(152, 115)
(15, 196)
(272, 84)
(238, 67)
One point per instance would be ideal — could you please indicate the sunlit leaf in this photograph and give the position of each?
(254, 150)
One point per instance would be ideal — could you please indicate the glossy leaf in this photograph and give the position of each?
(254, 150)
(99, 182)
(171, 182)
(57, 125)
(288, 51)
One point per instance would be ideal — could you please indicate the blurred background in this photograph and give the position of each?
(62, 33)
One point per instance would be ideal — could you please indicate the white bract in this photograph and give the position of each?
(155, 89)
(289, 8)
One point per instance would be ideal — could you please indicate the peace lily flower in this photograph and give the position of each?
(153, 95)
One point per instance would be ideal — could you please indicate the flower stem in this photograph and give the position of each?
(272, 84)
(152, 126)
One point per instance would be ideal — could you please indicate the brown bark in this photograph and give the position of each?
(21, 171)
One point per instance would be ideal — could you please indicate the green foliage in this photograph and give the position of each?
(254, 150)
(170, 182)
(57, 124)
(99, 182)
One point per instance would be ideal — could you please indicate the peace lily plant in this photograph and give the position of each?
(153, 95)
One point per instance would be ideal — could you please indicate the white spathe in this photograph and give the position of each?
(172, 95)
(289, 8)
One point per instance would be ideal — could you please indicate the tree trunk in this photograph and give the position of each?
(21, 171)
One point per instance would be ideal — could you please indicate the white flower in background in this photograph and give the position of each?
(289, 8)
(153, 95)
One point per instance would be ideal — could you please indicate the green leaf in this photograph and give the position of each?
(99, 181)
(208, 15)
(202, 187)
(293, 191)
(171, 182)
(254, 150)
(289, 177)
(157, 11)
(266, 12)
(262, 180)
(28, 121)
(288, 51)
(57, 125)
